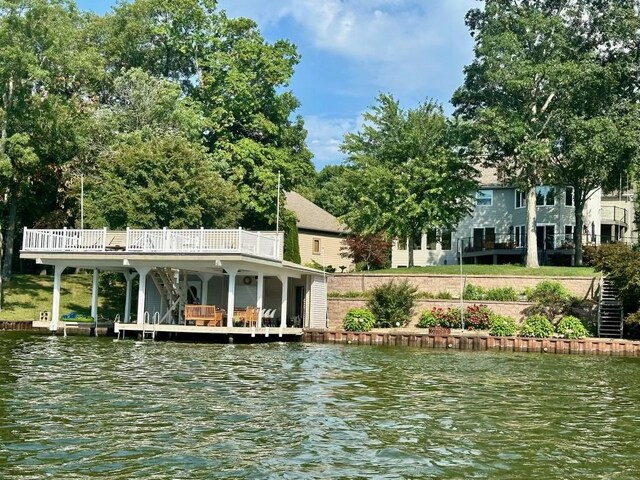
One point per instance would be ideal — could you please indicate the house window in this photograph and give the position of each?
(521, 199)
(484, 198)
(520, 236)
(568, 197)
(431, 239)
(445, 239)
(316, 246)
(484, 238)
(545, 196)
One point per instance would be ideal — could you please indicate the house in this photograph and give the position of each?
(320, 234)
(190, 281)
(495, 231)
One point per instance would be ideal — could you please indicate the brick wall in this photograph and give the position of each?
(578, 286)
(338, 307)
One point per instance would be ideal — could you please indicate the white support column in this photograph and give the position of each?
(94, 295)
(127, 302)
(184, 287)
(260, 296)
(142, 290)
(55, 307)
(204, 295)
(285, 300)
(231, 298)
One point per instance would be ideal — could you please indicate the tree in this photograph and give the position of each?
(161, 182)
(44, 75)
(291, 247)
(331, 183)
(370, 251)
(539, 68)
(405, 176)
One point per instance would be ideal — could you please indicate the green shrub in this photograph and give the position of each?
(632, 326)
(504, 294)
(473, 292)
(571, 327)
(392, 303)
(477, 317)
(427, 295)
(444, 295)
(449, 318)
(537, 326)
(548, 292)
(358, 320)
(503, 326)
(428, 319)
(349, 294)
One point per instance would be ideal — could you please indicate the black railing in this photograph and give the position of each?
(614, 214)
(498, 241)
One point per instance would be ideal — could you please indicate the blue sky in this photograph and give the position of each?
(354, 49)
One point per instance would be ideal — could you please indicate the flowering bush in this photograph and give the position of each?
(537, 326)
(502, 326)
(358, 320)
(477, 317)
(571, 327)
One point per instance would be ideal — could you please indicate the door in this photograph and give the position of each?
(299, 307)
(545, 236)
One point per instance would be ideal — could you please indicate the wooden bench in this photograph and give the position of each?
(204, 315)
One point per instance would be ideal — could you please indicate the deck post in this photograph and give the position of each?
(204, 294)
(142, 290)
(231, 300)
(129, 276)
(260, 296)
(55, 307)
(285, 300)
(94, 295)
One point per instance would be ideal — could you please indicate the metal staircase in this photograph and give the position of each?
(610, 312)
(166, 281)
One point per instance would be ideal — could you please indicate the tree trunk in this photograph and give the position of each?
(7, 104)
(11, 235)
(532, 238)
(577, 231)
(410, 246)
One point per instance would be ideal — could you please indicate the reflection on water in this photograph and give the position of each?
(85, 407)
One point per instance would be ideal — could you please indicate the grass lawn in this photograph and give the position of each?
(493, 270)
(25, 296)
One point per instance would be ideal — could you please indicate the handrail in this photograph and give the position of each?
(226, 241)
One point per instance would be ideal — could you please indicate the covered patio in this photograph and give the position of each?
(190, 280)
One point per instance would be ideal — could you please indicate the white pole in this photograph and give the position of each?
(81, 202)
(461, 286)
(278, 207)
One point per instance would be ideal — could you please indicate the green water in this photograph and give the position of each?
(94, 408)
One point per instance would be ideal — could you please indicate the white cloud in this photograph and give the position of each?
(396, 45)
(326, 136)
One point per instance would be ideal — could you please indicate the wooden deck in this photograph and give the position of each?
(207, 330)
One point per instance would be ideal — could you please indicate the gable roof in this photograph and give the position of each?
(311, 217)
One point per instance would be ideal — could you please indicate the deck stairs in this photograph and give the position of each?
(167, 282)
(610, 311)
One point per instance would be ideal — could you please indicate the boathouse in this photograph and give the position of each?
(190, 281)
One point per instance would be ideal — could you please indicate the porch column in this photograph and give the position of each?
(184, 287)
(231, 298)
(55, 307)
(142, 290)
(94, 295)
(285, 300)
(260, 296)
(205, 277)
(129, 276)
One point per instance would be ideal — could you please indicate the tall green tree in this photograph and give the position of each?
(405, 175)
(45, 75)
(544, 71)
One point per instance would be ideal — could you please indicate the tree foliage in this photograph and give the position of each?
(404, 174)
(551, 81)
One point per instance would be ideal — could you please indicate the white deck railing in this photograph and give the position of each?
(259, 244)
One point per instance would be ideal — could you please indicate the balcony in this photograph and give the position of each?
(614, 215)
(266, 245)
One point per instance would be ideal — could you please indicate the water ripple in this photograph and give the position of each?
(83, 407)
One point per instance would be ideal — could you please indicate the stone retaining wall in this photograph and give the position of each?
(590, 346)
(338, 307)
(579, 286)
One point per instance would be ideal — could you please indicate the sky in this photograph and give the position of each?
(352, 50)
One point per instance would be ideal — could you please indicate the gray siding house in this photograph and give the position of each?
(495, 232)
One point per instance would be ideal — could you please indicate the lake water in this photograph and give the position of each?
(82, 407)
